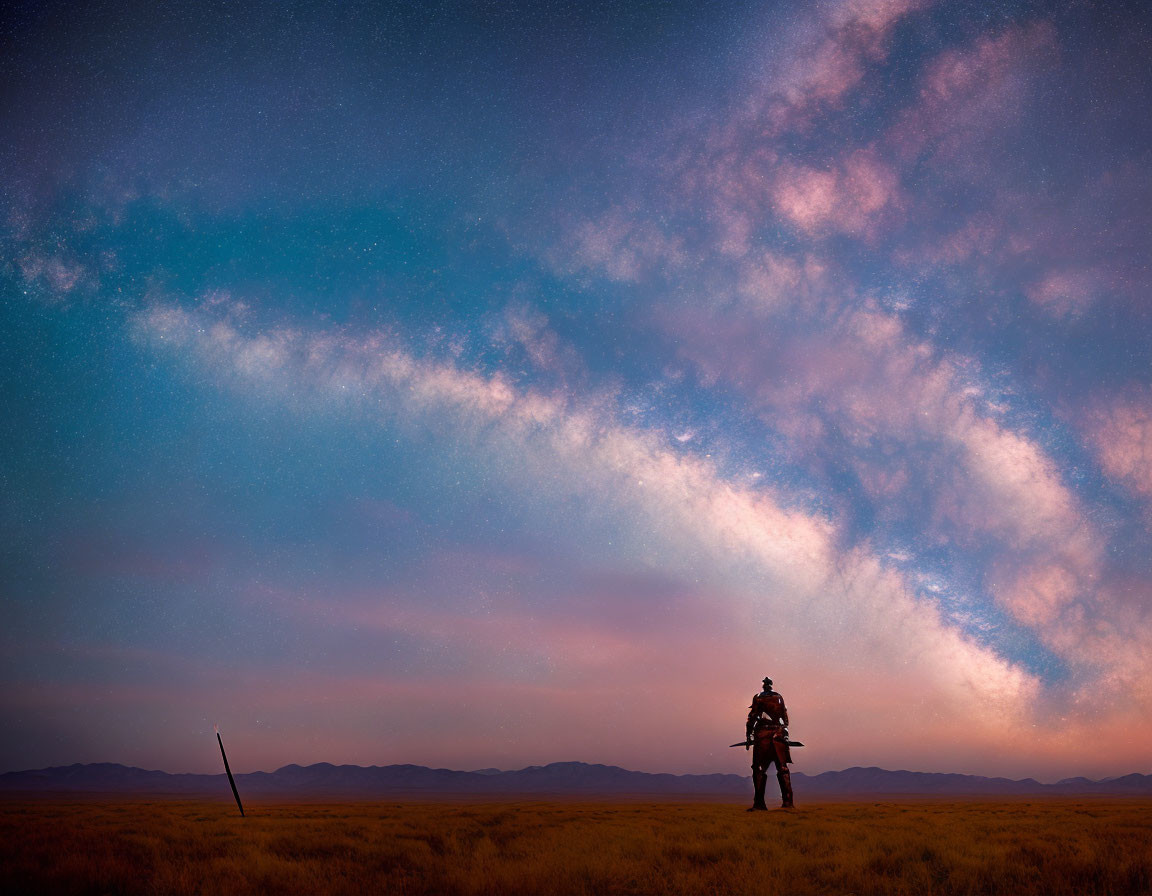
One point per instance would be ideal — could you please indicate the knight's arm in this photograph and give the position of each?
(783, 713)
(753, 715)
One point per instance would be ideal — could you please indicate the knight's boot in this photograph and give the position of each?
(760, 780)
(785, 780)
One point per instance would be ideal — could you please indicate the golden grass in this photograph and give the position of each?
(1075, 847)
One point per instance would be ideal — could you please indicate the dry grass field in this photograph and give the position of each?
(1080, 847)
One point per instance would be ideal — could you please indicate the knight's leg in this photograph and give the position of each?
(759, 780)
(785, 780)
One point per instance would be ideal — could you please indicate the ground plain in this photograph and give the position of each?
(181, 846)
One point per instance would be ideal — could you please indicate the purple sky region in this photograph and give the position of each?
(476, 385)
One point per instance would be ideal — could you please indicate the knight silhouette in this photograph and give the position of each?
(767, 734)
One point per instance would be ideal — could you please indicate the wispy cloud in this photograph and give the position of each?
(822, 57)
(1119, 429)
(971, 94)
(852, 197)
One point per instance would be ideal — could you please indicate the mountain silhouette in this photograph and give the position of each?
(559, 778)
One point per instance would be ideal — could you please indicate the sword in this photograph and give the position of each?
(752, 743)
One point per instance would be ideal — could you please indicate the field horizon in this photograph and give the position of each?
(412, 846)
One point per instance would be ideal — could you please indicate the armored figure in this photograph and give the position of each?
(767, 735)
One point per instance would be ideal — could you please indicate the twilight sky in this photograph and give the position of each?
(491, 384)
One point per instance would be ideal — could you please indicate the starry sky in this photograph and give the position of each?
(490, 383)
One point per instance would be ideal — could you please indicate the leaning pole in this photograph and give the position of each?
(228, 772)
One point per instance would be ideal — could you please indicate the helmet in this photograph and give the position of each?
(767, 682)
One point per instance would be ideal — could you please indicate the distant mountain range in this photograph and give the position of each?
(560, 778)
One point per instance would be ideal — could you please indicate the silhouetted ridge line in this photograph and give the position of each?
(324, 778)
